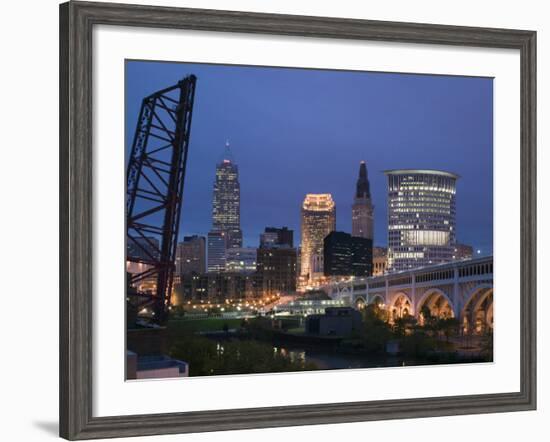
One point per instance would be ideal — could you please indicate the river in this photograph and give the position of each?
(326, 360)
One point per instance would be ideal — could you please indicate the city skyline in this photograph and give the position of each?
(261, 206)
(307, 140)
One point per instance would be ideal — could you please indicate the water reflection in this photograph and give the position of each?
(295, 356)
(326, 360)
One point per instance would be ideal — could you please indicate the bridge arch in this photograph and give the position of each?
(344, 294)
(344, 291)
(477, 313)
(378, 299)
(360, 303)
(438, 302)
(399, 305)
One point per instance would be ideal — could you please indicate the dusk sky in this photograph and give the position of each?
(298, 131)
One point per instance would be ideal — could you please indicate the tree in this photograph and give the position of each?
(404, 325)
(200, 353)
(429, 321)
(376, 331)
(417, 344)
(448, 326)
(426, 313)
(373, 314)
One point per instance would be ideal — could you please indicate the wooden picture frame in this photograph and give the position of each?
(76, 22)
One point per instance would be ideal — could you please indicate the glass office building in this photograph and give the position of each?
(226, 203)
(216, 248)
(421, 218)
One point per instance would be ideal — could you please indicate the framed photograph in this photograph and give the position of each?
(272, 220)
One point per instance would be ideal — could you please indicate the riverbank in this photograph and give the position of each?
(287, 347)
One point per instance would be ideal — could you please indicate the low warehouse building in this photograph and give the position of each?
(336, 321)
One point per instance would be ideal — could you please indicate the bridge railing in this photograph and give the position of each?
(467, 269)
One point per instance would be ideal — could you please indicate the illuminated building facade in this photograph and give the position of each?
(191, 255)
(318, 220)
(463, 251)
(379, 261)
(215, 287)
(241, 260)
(147, 250)
(230, 286)
(194, 287)
(217, 244)
(301, 281)
(316, 268)
(362, 211)
(421, 218)
(226, 203)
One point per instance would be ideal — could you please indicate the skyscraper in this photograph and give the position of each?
(421, 218)
(346, 255)
(362, 211)
(226, 203)
(318, 220)
(217, 245)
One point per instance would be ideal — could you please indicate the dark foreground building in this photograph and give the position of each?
(215, 287)
(277, 237)
(337, 321)
(346, 255)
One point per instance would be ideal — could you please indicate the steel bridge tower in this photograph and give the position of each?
(155, 177)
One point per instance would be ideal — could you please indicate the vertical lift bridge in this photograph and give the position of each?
(155, 177)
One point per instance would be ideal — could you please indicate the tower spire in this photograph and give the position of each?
(227, 156)
(363, 185)
(362, 211)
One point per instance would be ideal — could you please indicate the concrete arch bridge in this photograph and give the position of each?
(461, 289)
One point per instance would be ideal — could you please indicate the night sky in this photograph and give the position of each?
(298, 131)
